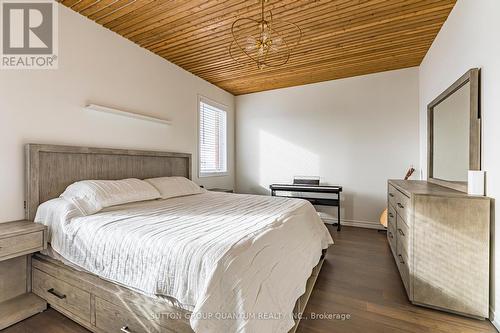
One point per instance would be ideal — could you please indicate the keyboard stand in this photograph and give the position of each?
(299, 189)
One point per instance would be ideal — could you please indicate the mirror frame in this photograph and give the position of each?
(472, 77)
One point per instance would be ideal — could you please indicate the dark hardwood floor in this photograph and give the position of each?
(359, 282)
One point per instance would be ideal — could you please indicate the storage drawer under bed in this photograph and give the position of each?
(111, 318)
(61, 294)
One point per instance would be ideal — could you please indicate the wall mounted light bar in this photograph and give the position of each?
(105, 109)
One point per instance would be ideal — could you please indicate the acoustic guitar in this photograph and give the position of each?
(383, 217)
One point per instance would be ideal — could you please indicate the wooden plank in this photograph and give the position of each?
(196, 35)
(117, 9)
(16, 246)
(16, 228)
(19, 308)
(12, 278)
(312, 27)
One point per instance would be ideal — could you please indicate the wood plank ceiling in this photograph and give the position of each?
(341, 38)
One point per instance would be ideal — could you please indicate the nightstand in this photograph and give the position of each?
(221, 190)
(18, 240)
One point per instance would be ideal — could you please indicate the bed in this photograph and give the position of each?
(210, 262)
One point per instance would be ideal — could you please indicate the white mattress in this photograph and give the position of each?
(242, 258)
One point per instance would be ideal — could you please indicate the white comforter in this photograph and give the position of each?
(238, 262)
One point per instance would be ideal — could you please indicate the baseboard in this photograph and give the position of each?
(494, 320)
(354, 223)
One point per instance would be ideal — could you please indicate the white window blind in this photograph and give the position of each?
(213, 143)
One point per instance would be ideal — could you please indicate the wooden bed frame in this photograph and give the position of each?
(97, 304)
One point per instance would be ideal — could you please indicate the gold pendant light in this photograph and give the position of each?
(267, 42)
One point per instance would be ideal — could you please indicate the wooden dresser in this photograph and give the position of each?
(18, 240)
(440, 239)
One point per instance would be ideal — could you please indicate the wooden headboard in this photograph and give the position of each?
(50, 169)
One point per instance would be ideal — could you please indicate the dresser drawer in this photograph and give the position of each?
(391, 228)
(403, 207)
(391, 238)
(404, 270)
(21, 244)
(113, 318)
(61, 294)
(403, 236)
(392, 196)
(391, 217)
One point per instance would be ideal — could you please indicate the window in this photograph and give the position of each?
(213, 134)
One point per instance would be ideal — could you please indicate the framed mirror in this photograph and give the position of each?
(454, 133)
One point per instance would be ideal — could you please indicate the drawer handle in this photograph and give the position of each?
(125, 329)
(390, 235)
(401, 232)
(390, 215)
(401, 260)
(391, 195)
(56, 294)
(400, 205)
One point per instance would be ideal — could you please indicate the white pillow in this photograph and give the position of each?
(90, 196)
(170, 187)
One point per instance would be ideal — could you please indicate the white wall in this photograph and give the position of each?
(468, 39)
(98, 66)
(356, 132)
